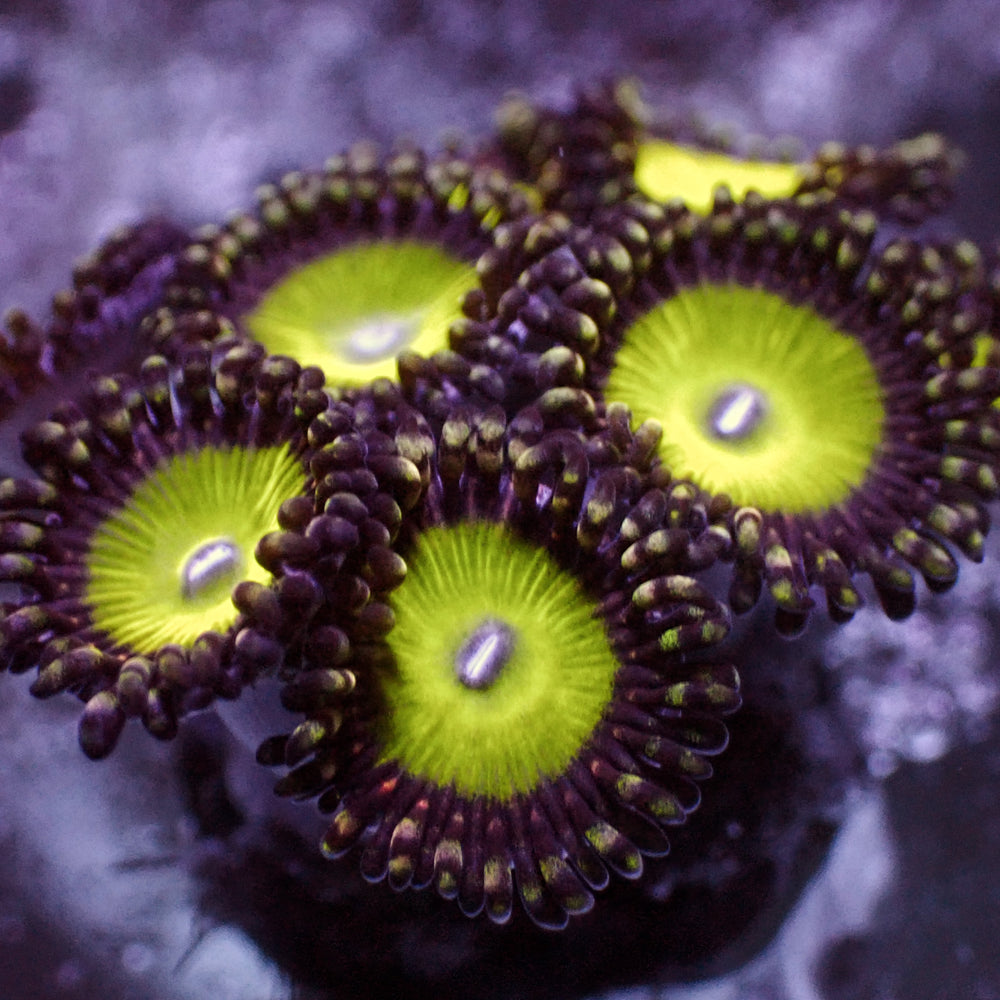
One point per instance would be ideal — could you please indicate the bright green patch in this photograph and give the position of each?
(665, 170)
(537, 715)
(139, 555)
(352, 311)
(824, 410)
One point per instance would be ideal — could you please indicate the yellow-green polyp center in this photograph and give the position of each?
(759, 398)
(352, 311)
(163, 565)
(478, 602)
(666, 170)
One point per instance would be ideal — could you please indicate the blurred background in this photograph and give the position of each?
(113, 110)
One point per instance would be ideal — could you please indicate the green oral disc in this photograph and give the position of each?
(352, 311)
(759, 398)
(666, 170)
(163, 565)
(476, 593)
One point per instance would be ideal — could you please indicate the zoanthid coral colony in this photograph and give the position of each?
(453, 447)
